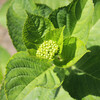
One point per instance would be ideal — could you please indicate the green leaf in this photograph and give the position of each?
(3, 11)
(84, 11)
(90, 62)
(77, 18)
(91, 97)
(54, 4)
(2, 93)
(25, 72)
(4, 56)
(84, 78)
(94, 36)
(73, 50)
(40, 93)
(59, 17)
(79, 84)
(34, 30)
(42, 10)
(17, 15)
(48, 94)
(56, 35)
(63, 95)
(1, 75)
(96, 15)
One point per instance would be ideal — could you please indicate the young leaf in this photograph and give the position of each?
(16, 17)
(54, 4)
(94, 36)
(73, 50)
(25, 72)
(56, 35)
(35, 28)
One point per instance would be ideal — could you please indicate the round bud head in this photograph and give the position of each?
(47, 49)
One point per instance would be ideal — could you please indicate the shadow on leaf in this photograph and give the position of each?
(85, 78)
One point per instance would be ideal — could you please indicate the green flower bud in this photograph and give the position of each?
(47, 49)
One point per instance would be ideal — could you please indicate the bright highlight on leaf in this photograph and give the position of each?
(47, 49)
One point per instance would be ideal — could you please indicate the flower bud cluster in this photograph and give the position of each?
(47, 49)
